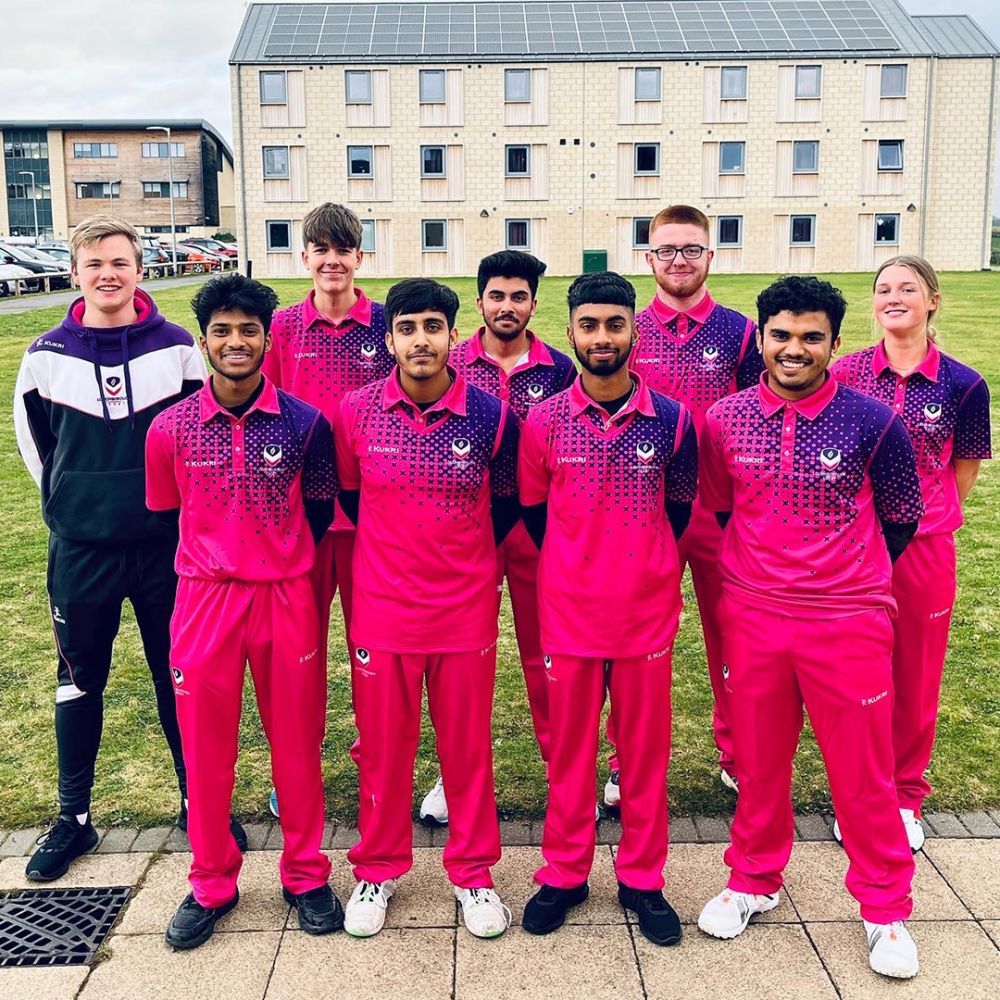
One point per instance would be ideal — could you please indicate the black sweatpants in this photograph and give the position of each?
(88, 583)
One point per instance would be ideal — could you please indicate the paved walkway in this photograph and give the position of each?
(9, 305)
(811, 946)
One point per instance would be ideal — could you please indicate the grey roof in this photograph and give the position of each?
(121, 125)
(492, 31)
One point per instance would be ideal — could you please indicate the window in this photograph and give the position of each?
(647, 158)
(434, 235)
(734, 83)
(518, 231)
(640, 233)
(730, 231)
(273, 88)
(890, 154)
(358, 86)
(647, 83)
(432, 86)
(98, 189)
(518, 161)
(368, 235)
(893, 83)
(279, 235)
(517, 86)
(360, 161)
(162, 149)
(276, 162)
(164, 229)
(808, 81)
(732, 157)
(432, 161)
(161, 189)
(802, 230)
(805, 157)
(887, 229)
(94, 150)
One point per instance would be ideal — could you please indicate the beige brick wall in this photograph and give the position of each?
(580, 208)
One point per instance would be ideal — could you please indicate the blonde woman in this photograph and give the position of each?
(945, 406)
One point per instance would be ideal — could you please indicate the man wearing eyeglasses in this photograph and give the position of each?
(695, 351)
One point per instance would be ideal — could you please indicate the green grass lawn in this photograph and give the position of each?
(134, 779)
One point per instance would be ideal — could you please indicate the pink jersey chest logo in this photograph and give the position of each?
(272, 455)
(460, 447)
(368, 351)
(710, 353)
(113, 384)
(535, 391)
(829, 458)
(932, 412)
(645, 451)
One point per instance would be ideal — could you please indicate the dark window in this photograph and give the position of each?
(640, 233)
(803, 230)
(730, 231)
(647, 157)
(432, 161)
(518, 234)
(360, 161)
(279, 235)
(732, 157)
(434, 234)
(518, 161)
(887, 229)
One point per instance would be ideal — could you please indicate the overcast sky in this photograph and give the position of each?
(169, 58)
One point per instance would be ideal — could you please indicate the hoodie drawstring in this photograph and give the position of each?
(100, 382)
(128, 378)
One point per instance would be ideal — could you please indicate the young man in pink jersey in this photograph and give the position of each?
(607, 474)
(248, 472)
(946, 409)
(322, 348)
(428, 465)
(817, 487)
(505, 358)
(695, 351)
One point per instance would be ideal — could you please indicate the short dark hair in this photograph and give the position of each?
(417, 295)
(601, 288)
(797, 294)
(332, 225)
(510, 264)
(234, 291)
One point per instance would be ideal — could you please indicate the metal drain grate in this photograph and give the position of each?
(57, 926)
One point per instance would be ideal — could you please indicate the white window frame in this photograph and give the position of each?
(811, 242)
(357, 176)
(888, 144)
(368, 235)
(444, 161)
(443, 223)
(425, 75)
(798, 144)
(718, 231)
(651, 73)
(742, 168)
(527, 234)
(655, 172)
(805, 72)
(153, 150)
(272, 176)
(512, 74)
(733, 73)
(638, 221)
(284, 86)
(115, 189)
(267, 235)
(875, 222)
(901, 92)
(365, 74)
(527, 159)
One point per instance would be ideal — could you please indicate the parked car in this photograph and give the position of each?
(198, 259)
(60, 253)
(9, 273)
(59, 278)
(213, 246)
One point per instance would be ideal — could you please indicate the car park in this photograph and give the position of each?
(10, 274)
(57, 273)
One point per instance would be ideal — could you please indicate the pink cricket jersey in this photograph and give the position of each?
(424, 557)
(808, 483)
(697, 357)
(240, 483)
(946, 409)
(609, 575)
(542, 372)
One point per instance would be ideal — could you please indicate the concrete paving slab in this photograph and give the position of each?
(42, 984)
(257, 834)
(344, 838)
(515, 885)
(177, 841)
(696, 872)
(261, 906)
(275, 839)
(422, 836)
(711, 829)
(815, 881)
(945, 825)
(592, 962)
(515, 834)
(956, 960)
(773, 962)
(152, 839)
(118, 840)
(979, 824)
(812, 827)
(423, 897)
(91, 870)
(609, 831)
(416, 964)
(970, 866)
(992, 927)
(226, 967)
(20, 842)
(682, 831)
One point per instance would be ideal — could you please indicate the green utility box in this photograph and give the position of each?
(595, 260)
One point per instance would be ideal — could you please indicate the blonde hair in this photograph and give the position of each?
(924, 272)
(95, 228)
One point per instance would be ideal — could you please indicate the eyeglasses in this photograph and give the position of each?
(691, 252)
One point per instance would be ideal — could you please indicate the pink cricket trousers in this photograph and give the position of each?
(216, 628)
(640, 696)
(331, 569)
(699, 548)
(923, 583)
(387, 696)
(517, 559)
(841, 669)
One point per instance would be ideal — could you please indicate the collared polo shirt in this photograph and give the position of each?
(240, 483)
(809, 484)
(696, 357)
(542, 372)
(424, 557)
(945, 406)
(609, 574)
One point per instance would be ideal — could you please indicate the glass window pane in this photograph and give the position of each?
(647, 83)
(805, 157)
(276, 161)
(368, 235)
(432, 161)
(731, 156)
(359, 161)
(887, 229)
(517, 161)
(640, 233)
(730, 230)
(272, 87)
(647, 157)
(802, 230)
(434, 234)
(893, 81)
(890, 154)
(517, 86)
(734, 83)
(279, 236)
(808, 81)
(517, 234)
(358, 86)
(432, 86)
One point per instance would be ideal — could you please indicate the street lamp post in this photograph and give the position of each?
(170, 176)
(34, 203)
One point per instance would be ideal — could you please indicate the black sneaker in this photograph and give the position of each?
(658, 921)
(193, 923)
(235, 828)
(546, 910)
(319, 909)
(59, 846)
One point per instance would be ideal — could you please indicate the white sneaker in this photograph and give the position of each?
(914, 829)
(484, 915)
(727, 915)
(434, 808)
(365, 913)
(612, 793)
(837, 835)
(891, 950)
(729, 780)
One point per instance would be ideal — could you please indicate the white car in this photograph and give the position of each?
(9, 272)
